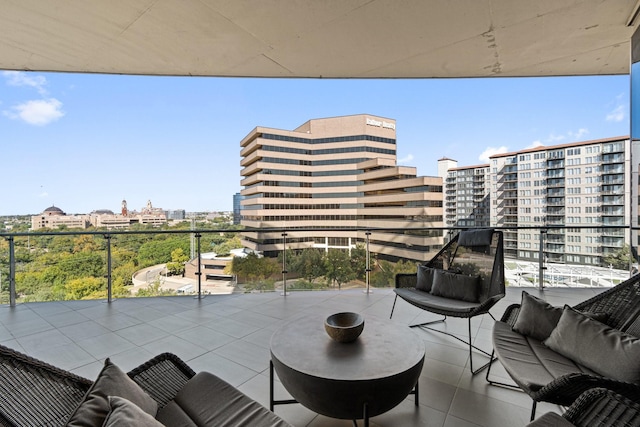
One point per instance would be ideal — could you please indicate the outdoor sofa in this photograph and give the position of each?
(554, 354)
(162, 391)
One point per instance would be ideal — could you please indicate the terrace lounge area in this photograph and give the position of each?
(229, 336)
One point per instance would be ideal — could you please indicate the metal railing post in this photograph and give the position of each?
(284, 264)
(12, 272)
(541, 267)
(368, 265)
(109, 287)
(199, 272)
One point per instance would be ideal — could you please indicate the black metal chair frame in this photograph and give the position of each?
(493, 285)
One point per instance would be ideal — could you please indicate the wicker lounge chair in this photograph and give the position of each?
(597, 407)
(474, 254)
(34, 393)
(549, 375)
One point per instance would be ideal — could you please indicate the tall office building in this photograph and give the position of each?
(578, 187)
(337, 172)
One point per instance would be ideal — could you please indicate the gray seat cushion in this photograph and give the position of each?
(207, 400)
(531, 364)
(425, 299)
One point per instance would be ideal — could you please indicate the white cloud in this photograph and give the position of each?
(535, 144)
(405, 159)
(558, 139)
(581, 133)
(20, 78)
(490, 151)
(617, 115)
(39, 112)
(43, 195)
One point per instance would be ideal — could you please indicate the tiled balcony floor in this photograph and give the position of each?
(229, 335)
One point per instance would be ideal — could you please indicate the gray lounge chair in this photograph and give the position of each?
(465, 279)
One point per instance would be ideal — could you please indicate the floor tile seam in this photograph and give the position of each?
(214, 351)
(460, 386)
(240, 364)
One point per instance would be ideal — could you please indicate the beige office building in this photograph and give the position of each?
(337, 172)
(53, 217)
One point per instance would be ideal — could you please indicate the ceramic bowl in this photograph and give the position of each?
(344, 327)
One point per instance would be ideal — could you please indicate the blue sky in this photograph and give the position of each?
(86, 141)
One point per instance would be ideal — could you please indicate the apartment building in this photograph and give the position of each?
(578, 187)
(466, 194)
(337, 172)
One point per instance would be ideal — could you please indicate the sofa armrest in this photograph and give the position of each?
(566, 389)
(406, 280)
(162, 377)
(600, 406)
(511, 314)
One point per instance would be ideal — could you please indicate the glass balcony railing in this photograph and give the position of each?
(74, 265)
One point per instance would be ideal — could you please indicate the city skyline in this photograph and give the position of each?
(84, 142)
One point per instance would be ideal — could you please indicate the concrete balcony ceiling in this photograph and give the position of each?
(310, 38)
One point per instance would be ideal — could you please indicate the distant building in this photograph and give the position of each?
(148, 215)
(175, 214)
(54, 217)
(212, 266)
(466, 194)
(104, 218)
(237, 199)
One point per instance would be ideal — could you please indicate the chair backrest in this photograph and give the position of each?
(476, 252)
(621, 303)
(33, 392)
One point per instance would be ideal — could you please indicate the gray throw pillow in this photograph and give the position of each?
(456, 286)
(425, 278)
(607, 351)
(111, 381)
(125, 413)
(537, 318)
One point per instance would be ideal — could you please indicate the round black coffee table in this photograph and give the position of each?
(353, 381)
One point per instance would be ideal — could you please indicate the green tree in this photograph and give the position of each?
(254, 269)
(154, 290)
(359, 261)
(85, 288)
(308, 263)
(338, 268)
(176, 265)
(159, 251)
(619, 259)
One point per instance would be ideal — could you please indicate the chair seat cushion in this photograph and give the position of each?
(210, 401)
(530, 363)
(435, 303)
